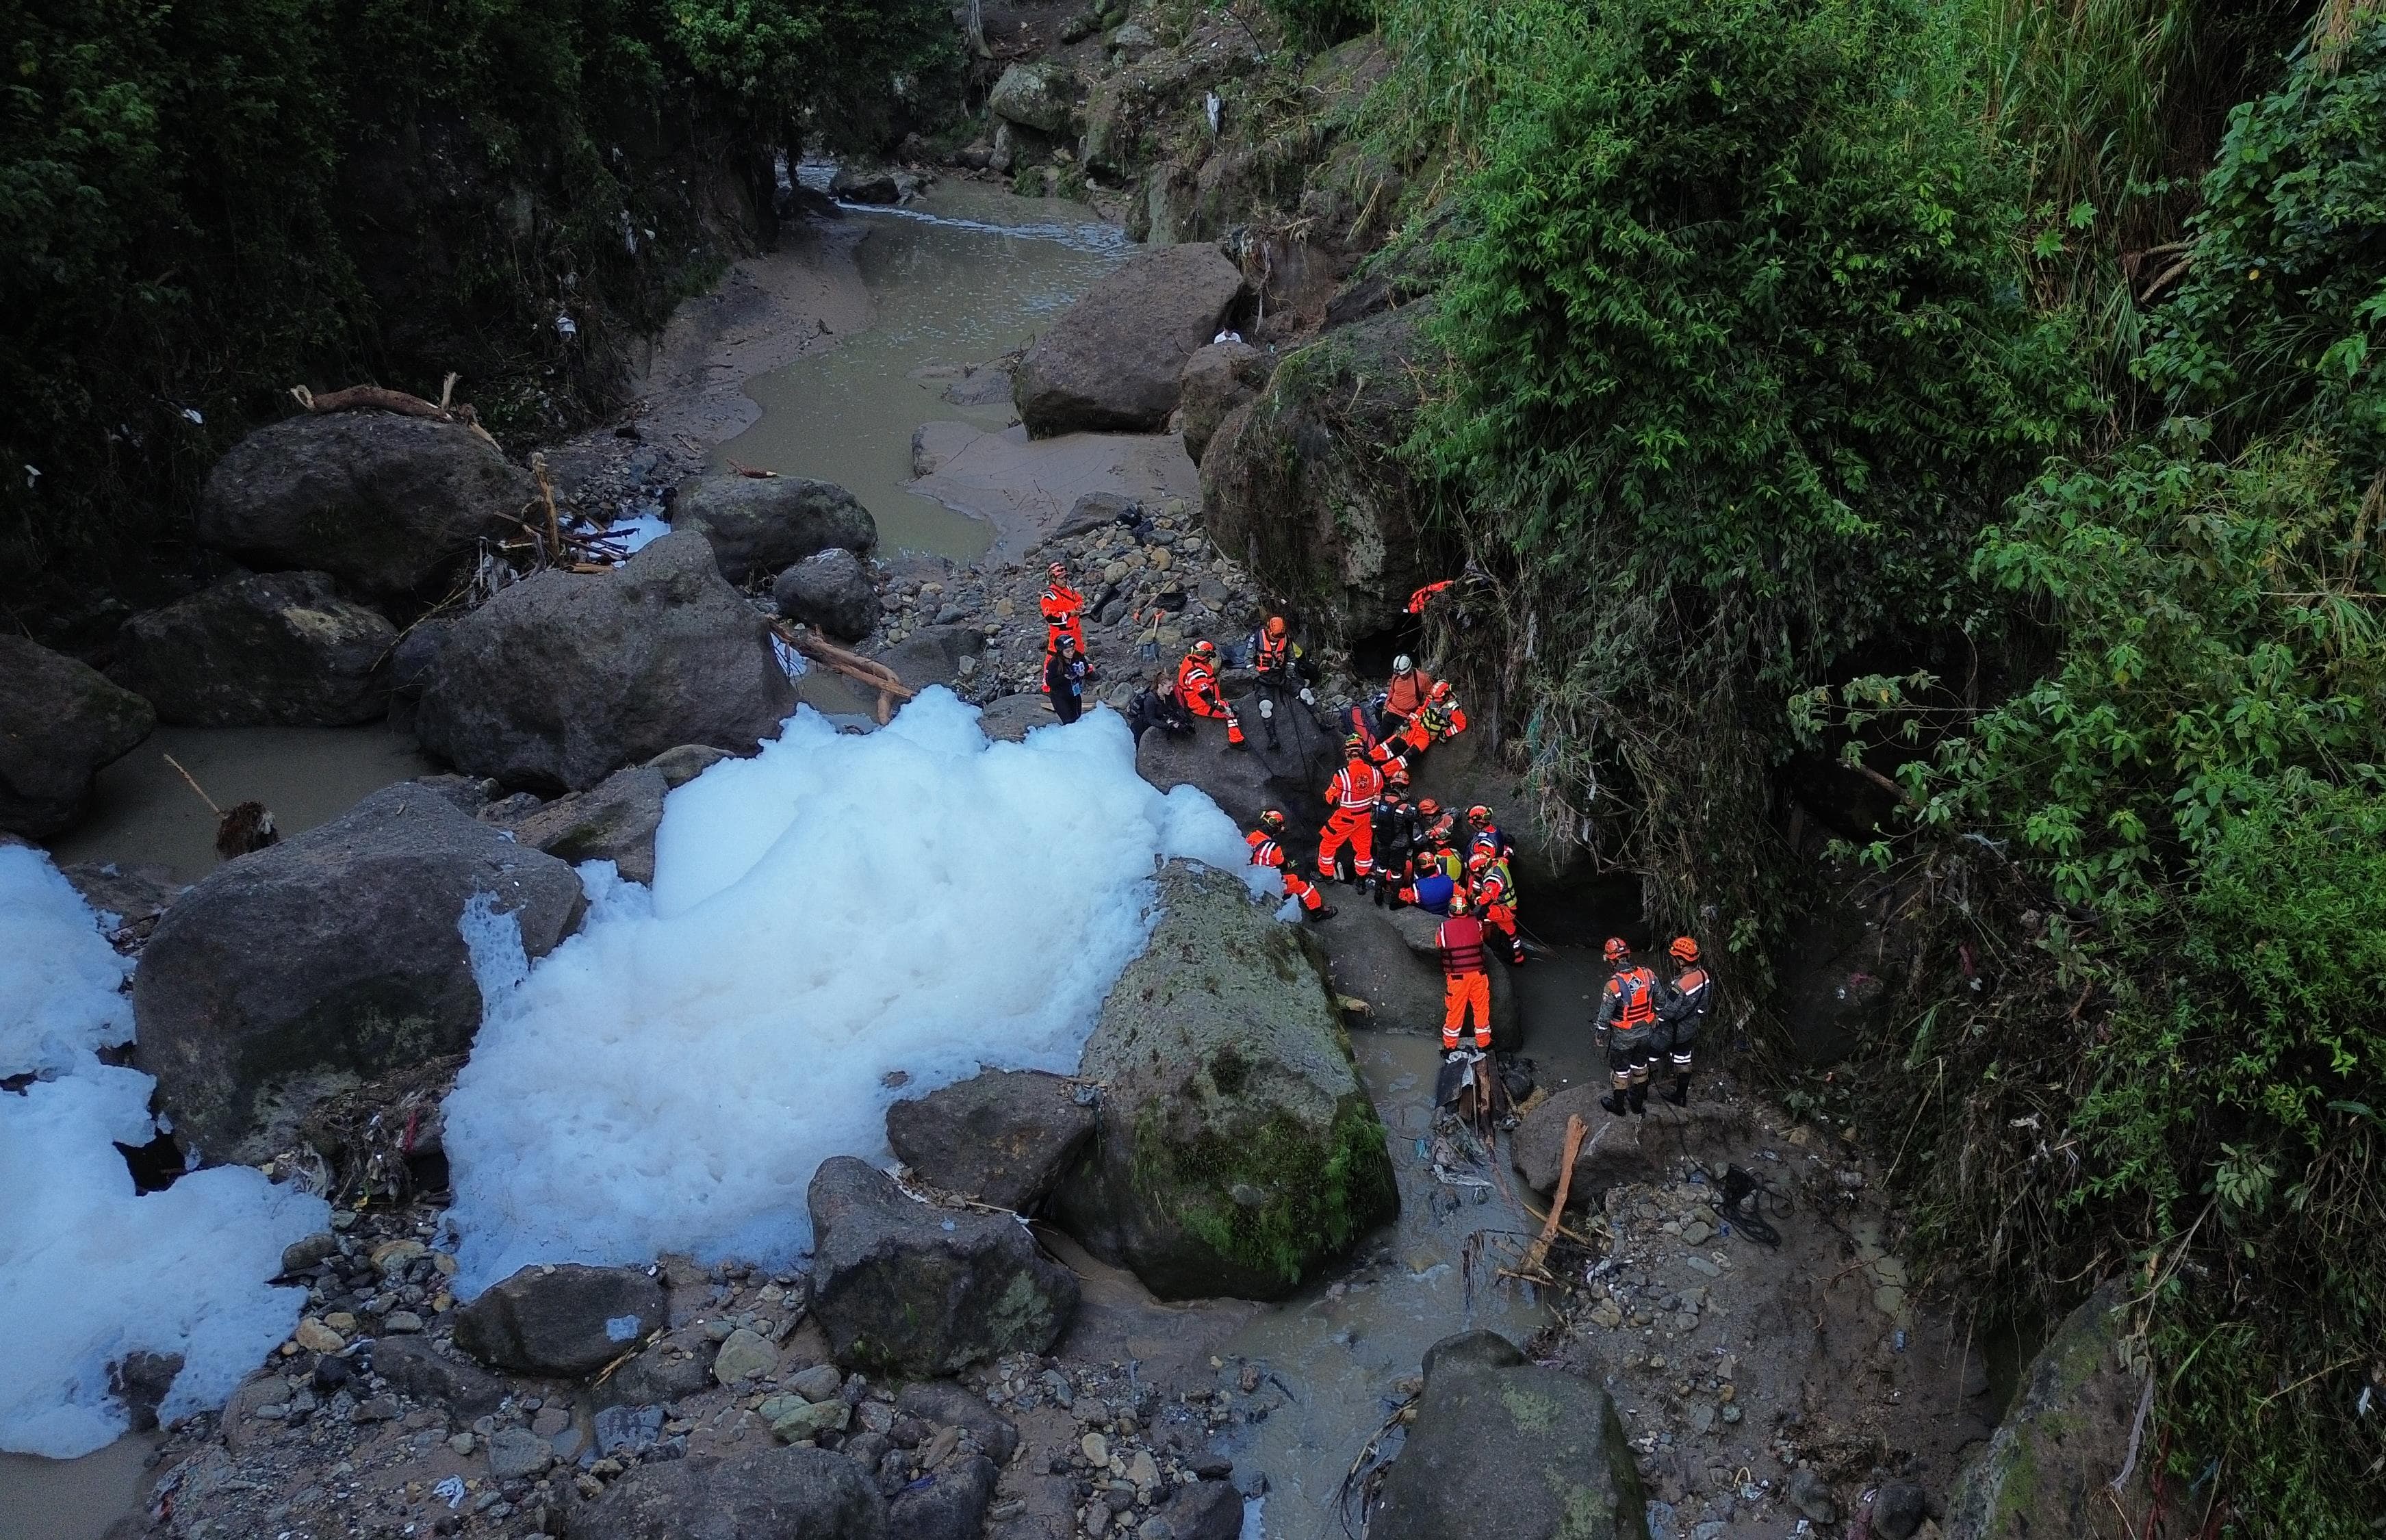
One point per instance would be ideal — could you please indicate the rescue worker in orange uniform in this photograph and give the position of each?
(1439, 720)
(1350, 800)
(1684, 1010)
(1063, 609)
(1406, 693)
(1495, 894)
(1197, 686)
(1267, 850)
(1626, 1028)
(1466, 985)
(1285, 673)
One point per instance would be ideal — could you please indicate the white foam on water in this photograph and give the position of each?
(835, 914)
(89, 1270)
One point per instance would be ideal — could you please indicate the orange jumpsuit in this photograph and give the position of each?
(1064, 607)
(1352, 797)
(1198, 688)
(1267, 853)
(1467, 982)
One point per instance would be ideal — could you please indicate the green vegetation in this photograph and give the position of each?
(204, 203)
(1801, 346)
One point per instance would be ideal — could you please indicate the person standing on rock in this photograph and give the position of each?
(1466, 977)
(1494, 892)
(1063, 609)
(1159, 706)
(1626, 1027)
(1267, 850)
(1395, 827)
(1350, 799)
(1197, 686)
(1683, 1012)
(1409, 688)
(1064, 679)
(1285, 673)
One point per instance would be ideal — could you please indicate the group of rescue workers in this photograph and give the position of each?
(1403, 853)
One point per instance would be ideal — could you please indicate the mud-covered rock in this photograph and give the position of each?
(769, 1494)
(417, 1370)
(566, 1319)
(1034, 96)
(942, 1404)
(334, 954)
(1629, 1148)
(1113, 360)
(1243, 782)
(1001, 1137)
(61, 722)
(391, 504)
(948, 1503)
(831, 591)
(1506, 1447)
(1217, 378)
(1237, 1151)
(279, 649)
(614, 821)
(760, 526)
(1301, 485)
(564, 678)
(2049, 1467)
(904, 1288)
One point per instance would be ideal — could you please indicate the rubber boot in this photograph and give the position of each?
(1614, 1103)
(1639, 1098)
(1376, 890)
(1323, 911)
(1681, 1094)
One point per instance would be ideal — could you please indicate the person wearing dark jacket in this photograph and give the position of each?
(1064, 676)
(1285, 674)
(1158, 706)
(1682, 1012)
(1395, 836)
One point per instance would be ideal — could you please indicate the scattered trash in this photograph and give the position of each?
(451, 1488)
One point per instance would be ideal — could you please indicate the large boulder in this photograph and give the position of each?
(831, 591)
(1217, 378)
(934, 655)
(1642, 1148)
(1113, 362)
(760, 526)
(61, 721)
(1304, 487)
(1033, 97)
(902, 1288)
(280, 649)
(1507, 1447)
(340, 953)
(416, 1370)
(2051, 1464)
(1001, 1137)
(948, 1503)
(768, 1494)
(390, 505)
(1237, 1151)
(567, 1320)
(1244, 782)
(559, 681)
(1387, 958)
(614, 821)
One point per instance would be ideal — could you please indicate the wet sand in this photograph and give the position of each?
(72, 1499)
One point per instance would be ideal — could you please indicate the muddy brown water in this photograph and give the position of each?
(960, 277)
(71, 1499)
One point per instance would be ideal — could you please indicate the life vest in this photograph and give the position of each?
(1357, 787)
(1275, 653)
(1194, 680)
(1493, 885)
(1636, 991)
(1459, 939)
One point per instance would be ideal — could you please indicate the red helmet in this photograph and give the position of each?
(1428, 808)
(1275, 625)
(1480, 816)
(1272, 820)
(1354, 746)
(1478, 861)
(1684, 950)
(1457, 902)
(1616, 950)
(1397, 774)
(1205, 649)
(1440, 689)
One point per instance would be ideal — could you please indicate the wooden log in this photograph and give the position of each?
(1574, 1132)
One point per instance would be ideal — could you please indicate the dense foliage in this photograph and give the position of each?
(204, 201)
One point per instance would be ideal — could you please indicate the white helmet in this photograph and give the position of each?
(1403, 664)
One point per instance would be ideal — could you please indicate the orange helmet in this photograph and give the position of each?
(1480, 816)
(1272, 821)
(1440, 689)
(1354, 746)
(1684, 950)
(1478, 861)
(1275, 625)
(1205, 649)
(1428, 808)
(1457, 903)
(1616, 950)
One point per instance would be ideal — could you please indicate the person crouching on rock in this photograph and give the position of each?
(1432, 889)
(1350, 799)
(1064, 679)
(1286, 674)
(1197, 686)
(1158, 706)
(1267, 850)
(1683, 1013)
(1626, 1027)
(1466, 977)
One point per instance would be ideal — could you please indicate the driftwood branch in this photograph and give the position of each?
(861, 670)
(379, 398)
(1540, 1249)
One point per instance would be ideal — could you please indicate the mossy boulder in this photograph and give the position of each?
(2050, 1466)
(1507, 1447)
(61, 722)
(1237, 1150)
